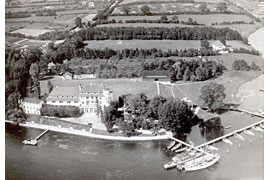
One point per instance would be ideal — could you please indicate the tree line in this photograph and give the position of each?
(182, 70)
(147, 33)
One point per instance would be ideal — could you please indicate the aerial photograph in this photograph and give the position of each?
(134, 90)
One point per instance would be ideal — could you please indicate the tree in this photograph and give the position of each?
(34, 72)
(145, 10)
(222, 7)
(164, 18)
(212, 96)
(175, 18)
(205, 44)
(49, 86)
(126, 10)
(203, 7)
(175, 115)
(254, 67)
(78, 22)
(16, 115)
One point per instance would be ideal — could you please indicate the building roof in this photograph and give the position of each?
(62, 99)
(65, 91)
(216, 43)
(92, 88)
(156, 74)
(32, 100)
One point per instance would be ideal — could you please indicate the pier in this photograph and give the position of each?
(230, 134)
(33, 142)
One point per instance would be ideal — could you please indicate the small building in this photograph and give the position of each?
(156, 75)
(91, 5)
(68, 75)
(31, 105)
(217, 45)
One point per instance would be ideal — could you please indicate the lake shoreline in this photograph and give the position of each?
(91, 135)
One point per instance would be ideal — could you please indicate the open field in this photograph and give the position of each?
(144, 44)
(228, 59)
(119, 86)
(174, 7)
(139, 1)
(206, 19)
(31, 32)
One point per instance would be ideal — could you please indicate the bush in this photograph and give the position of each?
(60, 111)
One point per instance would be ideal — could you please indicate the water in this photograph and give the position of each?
(63, 156)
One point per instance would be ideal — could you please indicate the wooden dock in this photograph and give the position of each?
(42, 134)
(188, 145)
(230, 134)
(33, 142)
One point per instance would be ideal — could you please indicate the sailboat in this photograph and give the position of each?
(227, 141)
(199, 163)
(238, 136)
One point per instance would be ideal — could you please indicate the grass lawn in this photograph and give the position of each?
(228, 59)
(144, 44)
(119, 86)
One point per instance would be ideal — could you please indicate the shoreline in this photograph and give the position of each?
(90, 135)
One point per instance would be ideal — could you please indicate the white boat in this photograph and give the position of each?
(227, 141)
(250, 133)
(238, 136)
(201, 162)
(181, 150)
(262, 126)
(212, 148)
(186, 156)
(177, 146)
(170, 165)
(228, 127)
(258, 129)
(32, 142)
(191, 143)
(171, 144)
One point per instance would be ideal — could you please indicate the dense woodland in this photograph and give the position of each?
(17, 68)
(147, 33)
(171, 114)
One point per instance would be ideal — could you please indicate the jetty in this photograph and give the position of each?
(245, 130)
(33, 142)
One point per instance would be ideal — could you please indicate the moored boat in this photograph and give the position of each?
(177, 146)
(257, 128)
(171, 145)
(201, 162)
(227, 141)
(262, 126)
(212, 148)
(238, 136)
(250, 133)
(170, 165)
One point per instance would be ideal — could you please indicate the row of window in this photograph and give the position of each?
(65, 101)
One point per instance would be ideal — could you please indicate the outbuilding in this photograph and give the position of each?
(156, 75)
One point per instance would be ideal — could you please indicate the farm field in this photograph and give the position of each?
(140, 1)
(228, 59)
(144, 44)
(31, 32)
(174, 7)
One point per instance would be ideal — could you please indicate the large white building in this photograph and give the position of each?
(87, 97)
(31, 105)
